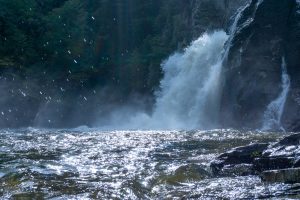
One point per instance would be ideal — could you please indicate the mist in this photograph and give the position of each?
(188, 97)
(166, 77)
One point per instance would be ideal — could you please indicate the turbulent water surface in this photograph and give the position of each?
(93, 164)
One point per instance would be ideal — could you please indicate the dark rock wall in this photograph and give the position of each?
(267, 31)
(292, 48)
(209, 15)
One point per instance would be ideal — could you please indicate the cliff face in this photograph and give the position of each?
(196, 17)
(212, 14)
(268, 31)
(291, 117)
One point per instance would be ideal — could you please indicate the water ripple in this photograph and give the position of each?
(93, 164)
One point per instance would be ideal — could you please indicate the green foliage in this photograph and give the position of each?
(63, 41)
(108, 42)
(19, 26)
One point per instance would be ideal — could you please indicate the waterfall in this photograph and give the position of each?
(190, 92)
(273, 114)
(191, 88)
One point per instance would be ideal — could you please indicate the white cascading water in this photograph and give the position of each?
(190, 92)
(273, 114)
(191, 86)
(191, 89)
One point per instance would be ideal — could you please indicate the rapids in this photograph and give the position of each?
(92, 164)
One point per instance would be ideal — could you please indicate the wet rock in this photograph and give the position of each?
(272, 163)
(287, 147)
(28, 195)
(289, 140)
(290, 175)
(278, 162)
(236, 170)
(283, 151)
(281, 155)
(239, 155)
(296, 162)
(190, 172)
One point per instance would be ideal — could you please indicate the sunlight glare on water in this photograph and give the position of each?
(92, 164)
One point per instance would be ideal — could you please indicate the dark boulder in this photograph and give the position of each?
(290, 175)
(289, 141)
(296, 162)
(281, 155)
(235, 170)
(261, 158)
(272, 163)
(184, 173)
(237, 156)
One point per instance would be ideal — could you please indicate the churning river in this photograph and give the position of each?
(93, 164)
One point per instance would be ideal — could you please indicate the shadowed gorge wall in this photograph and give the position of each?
(269, 30)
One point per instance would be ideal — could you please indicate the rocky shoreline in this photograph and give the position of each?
(273, 162)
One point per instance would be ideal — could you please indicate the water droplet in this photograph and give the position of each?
(22, 93)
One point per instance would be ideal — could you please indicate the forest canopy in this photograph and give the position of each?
(56, 53)
(120, 43)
